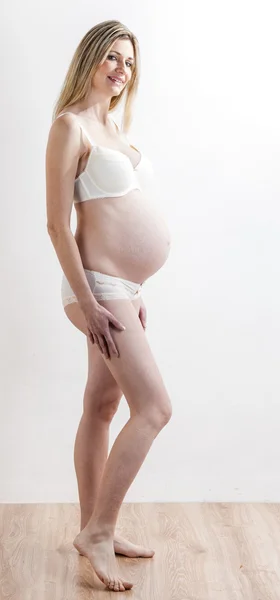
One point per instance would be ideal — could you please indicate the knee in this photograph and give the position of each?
(158, 416)
(166, 414)
(103, 404)
(107, 411)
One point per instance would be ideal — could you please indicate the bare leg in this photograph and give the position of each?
(90, 456)
(101, 400)
(137, 375)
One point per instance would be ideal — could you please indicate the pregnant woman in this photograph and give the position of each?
(120, 241)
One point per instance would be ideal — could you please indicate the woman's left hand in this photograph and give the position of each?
(143, 314)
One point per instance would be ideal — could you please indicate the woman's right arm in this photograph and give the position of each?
(62, 157)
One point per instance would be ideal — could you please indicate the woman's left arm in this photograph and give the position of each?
(143, 314)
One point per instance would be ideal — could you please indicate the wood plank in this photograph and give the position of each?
(203, 551)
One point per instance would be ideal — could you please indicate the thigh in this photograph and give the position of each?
(101, 382)
(101, 386)
(135, 370)
(76, 316)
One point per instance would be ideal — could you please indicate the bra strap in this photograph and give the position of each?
(81, 126)
(116, 126)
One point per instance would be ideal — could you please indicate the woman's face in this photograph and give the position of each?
(116, 70)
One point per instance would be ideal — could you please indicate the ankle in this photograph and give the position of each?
(99, 531)
(84, 522)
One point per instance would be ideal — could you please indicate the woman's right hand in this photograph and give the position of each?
(98, 321)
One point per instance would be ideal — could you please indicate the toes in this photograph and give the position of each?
(116, 586)
(119, 586)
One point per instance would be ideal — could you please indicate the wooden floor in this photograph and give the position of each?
(203, 552)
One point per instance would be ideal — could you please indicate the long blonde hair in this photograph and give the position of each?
(88, 56)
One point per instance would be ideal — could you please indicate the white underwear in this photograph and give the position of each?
(103, 287)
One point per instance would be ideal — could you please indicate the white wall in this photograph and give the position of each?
(207, 114)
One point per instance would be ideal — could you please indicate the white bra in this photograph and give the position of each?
(109, 173)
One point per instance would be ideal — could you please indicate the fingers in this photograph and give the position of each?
(111, 345)
(103, 346)
(104, 340)
(106, 345)
(143, 316)
(117, 323)
(90, 336)
(96, 339)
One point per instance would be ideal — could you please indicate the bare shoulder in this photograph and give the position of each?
(62, 157)
(64, 136)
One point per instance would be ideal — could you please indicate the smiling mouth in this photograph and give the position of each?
(115, 80)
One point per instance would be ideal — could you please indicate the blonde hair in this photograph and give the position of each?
(88, 56)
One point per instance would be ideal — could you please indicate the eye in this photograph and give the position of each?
(113, 56)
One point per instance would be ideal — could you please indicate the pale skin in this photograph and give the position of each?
(103, 481)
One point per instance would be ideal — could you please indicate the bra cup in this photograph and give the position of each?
(110, 174)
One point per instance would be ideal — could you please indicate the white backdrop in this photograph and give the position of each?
(207, 114)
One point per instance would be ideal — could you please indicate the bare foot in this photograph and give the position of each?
(123, 546)
(100, 552)
(126, 548)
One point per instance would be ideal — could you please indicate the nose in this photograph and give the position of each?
(121, 73)
(120, 69)
(121, 65)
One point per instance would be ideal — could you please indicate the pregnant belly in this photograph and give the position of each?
(143, 242)
(130, 237)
